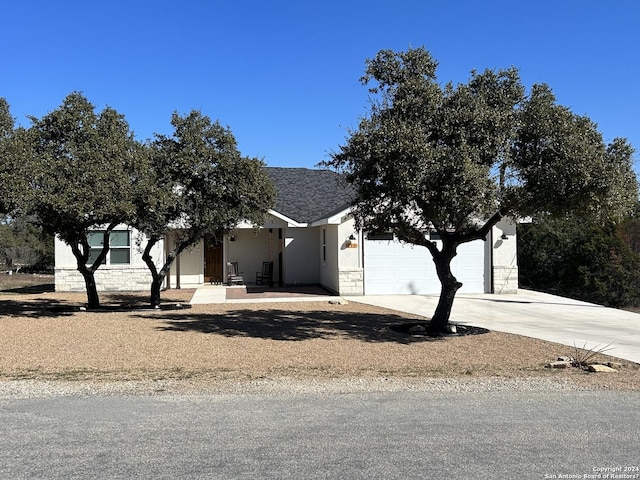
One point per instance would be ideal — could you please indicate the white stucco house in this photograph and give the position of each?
(310, 237)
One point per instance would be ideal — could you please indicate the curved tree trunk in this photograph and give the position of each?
(88, 273)
(449, 286)
(158, 276)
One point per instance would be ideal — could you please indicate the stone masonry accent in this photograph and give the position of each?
(130, 278)
(505, 279)
(351, 282)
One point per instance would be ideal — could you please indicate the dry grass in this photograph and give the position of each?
(249, 341)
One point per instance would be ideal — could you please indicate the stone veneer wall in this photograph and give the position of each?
(108, 279)
(351, 282)
(505, 279)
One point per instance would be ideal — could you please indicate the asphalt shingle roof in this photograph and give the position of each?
(306, 195)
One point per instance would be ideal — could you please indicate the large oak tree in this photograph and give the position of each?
(458, 158)
(72, 170)
(195, 184)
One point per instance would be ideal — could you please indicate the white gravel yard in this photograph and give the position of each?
(279, 347)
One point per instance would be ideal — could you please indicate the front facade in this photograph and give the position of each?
(311, 239)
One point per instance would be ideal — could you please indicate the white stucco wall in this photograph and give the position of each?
(301, 260)
(250, 248)
(132, 277)
(350, 266)
(190, 264)
(328, 262)
(505, 257)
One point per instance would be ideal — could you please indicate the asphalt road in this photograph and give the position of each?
(397, 435)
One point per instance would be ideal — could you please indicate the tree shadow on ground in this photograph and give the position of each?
(51, 307)
(31, 289)
(292, 325)
(40, 308)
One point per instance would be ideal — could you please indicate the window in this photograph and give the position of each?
(119, 247)
(324, 244)
(380, 236)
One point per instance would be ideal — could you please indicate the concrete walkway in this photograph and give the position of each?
(533, 314)
(218, 294)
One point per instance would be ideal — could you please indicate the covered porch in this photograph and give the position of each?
(295, 253)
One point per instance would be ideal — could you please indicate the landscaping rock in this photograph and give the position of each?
(339, 301)
(566, 359)
(615, 365)
(559, 364)
(601, 368)
(417, 329)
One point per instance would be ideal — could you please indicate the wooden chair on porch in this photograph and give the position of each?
(234, 277)
(266, 276)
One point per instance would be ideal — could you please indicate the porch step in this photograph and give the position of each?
(209, 294)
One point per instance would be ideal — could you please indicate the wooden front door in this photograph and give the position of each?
(213, 262)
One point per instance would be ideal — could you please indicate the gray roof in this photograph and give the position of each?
(306, 195)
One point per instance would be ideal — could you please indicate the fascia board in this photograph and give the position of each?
(332, 220)
(290, 222)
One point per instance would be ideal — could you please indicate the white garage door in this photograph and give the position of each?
(391, 267)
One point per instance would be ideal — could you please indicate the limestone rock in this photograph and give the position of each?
(596, 367)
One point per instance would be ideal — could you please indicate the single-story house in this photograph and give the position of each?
(310, 237)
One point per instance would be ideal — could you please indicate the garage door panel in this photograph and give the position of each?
(391, 267)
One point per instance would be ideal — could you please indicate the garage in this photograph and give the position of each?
(392, 267)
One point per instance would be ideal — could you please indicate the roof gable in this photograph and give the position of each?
(307, 195)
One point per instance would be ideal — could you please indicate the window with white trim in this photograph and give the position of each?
(119, 247)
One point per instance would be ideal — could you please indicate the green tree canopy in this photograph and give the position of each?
(23, 244)
(458, 158)
(72, 169)
(579, 259)
(196, 184)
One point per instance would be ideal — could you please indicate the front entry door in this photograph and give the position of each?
(213, 262)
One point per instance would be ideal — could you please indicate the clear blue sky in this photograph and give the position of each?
(284, 75)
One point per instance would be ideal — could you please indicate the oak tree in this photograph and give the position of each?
(72, 170)
(456, 159)
(195, 184)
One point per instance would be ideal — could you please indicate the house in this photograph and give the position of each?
(310, 237)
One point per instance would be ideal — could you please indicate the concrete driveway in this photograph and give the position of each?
(532, 314)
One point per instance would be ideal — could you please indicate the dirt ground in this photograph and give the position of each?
(45, 336)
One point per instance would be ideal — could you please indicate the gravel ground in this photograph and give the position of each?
(245, 348)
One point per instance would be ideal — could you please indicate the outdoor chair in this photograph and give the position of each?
(266, 276)
(234, 277)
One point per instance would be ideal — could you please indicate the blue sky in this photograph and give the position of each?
(284, 75)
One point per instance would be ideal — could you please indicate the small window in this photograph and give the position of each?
(380, 236)
(433, 235)
(324, 244)
(119, 247)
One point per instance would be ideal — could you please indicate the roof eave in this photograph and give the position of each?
(290, 221)
(335, 219)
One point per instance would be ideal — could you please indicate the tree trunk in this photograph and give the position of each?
(158, 276)
(93, 301)
(156, 285)
(449, 286)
